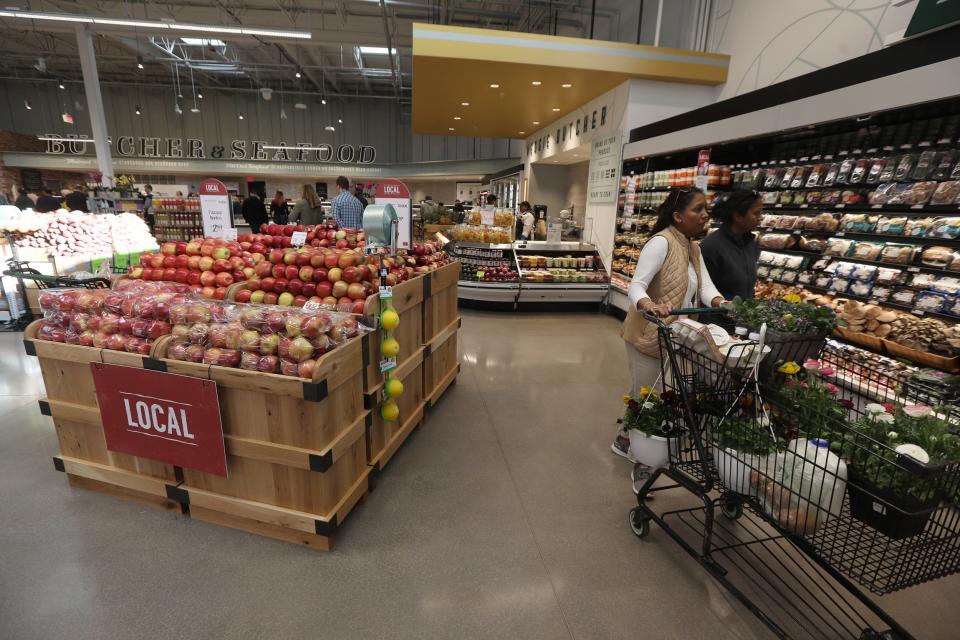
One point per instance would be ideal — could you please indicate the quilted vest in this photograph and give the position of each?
(669, 286)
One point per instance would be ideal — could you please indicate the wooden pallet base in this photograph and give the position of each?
(312, 540)
(157, 502)
(414, 421)
(445, 383)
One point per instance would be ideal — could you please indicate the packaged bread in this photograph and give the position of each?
(903, 296)
(839, 285)
(867, 251)
(799, 197)
(823, 280)
(786, 197)
(887, 275)
(843, 269)
(769, 220)
(898, 253)
(814, 197)
(789, 276)
(876, 168)
(882, 193)
(922, 280)
(837, 247)
(821, 222)
(944, 228)
(775, 241)
(786, 222)
(793, 262)
(814, 245)
(763, 271)
(850, 196)
(881, 292)
(776, 273)
(770, 197)
(930, 301)
(859, 288)
(891, 225)
(864, 272)
(953, 308)
(946, 284)
(947, 193)
(766, 257)
(831, 197)
(938, 257)
(917, 227)
(859, 222)
(821, 264)
(806, 277)
(954, 263)
(918, 193)
(925, 165)
(803, 222)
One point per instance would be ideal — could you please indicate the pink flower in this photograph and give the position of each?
(846, 404)
(832, 388)
(811, 365)
(827, 372)
(917, 410)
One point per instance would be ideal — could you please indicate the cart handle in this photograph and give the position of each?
(684, 311)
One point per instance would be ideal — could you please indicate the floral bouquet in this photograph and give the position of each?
(651, 424)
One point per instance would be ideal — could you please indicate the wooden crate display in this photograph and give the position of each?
(408, 303)
(384, 438)
(439, 300)
(72, 403)
(441, 363)
(296, 451)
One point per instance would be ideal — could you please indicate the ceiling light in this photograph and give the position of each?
(376, 51)
(200, 94)
(536, 83)
(329, 128)
(299, 105)
(145, 24)
(240, 116)
(536, 122)
(566, 85)
(50, 16)
(203, 42)
(494, 86)
(555, 109)
(157, 25)
(176, 109)
(207, 27)
(323, 101)
(297, 74)
(136, 109)
(523, 133)
(60, 84)
(464, 104)
(139, 62)
(195, 110)
(26, 103)
(451, 129)
(457, 118)
(269, 33)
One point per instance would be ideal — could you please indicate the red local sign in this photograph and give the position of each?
(391, 188)
(213, 187)
(161, 416)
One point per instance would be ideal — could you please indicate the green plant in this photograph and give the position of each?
(746, 435)
(653, 413)
(808, 404)
(887, 427)
(787, 315)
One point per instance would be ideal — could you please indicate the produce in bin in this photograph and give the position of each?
(128, 319)
(266, 338)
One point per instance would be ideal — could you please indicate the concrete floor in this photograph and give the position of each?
(504, 517)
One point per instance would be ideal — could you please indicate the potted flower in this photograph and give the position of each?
(741, 445)
(807, 404)
(898, 460)
(652, 430)
(794, 330)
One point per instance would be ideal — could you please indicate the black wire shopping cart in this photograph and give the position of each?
(809, 496)
(22, 271)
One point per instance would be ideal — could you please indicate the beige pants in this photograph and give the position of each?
(644, 371)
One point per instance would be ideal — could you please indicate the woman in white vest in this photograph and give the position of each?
(670, 274)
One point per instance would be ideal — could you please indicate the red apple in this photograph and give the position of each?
(316, 260)
(267, 283)
(339, 289)
(290, 257)
(192, 248)
(182, 261)
(358, 306)
(250, 361)
(302, 258)
(207, 292)
(309, 289)
(269, 298)
(291, 272)
(330, 301)
(208, 278)
(220, 293)
(330, 260)
(220, 266)
(224, 279)
(324, 289)
(220, 253)
(206, 248)
(300, 349)
(244, 295)
(355, 291)
(295, 286)
(335, 274)
(350, 274)
(320, 274)
(193, 277)
(193, 262)
(269, 364)
(205, 263)
(168, 248)
(305, 273)
(279, 285)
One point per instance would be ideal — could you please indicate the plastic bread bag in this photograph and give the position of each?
(860, 170)
(946, 193)
(905, 166)
(946, 284)
(265, 338)
(844, 269)
(898, 253)
(892, 226)
(946, 160)
(831, 177)
(766, 257)
(860, 288)
(930, 301)
(917, 227)
(867, 251)
(886, 275)
(876, 168)
(864, 272)
(917, 194)
(837, 247)
(839, 285)
(814, 197)
(937, 257)
(948, 228)
(882, 193)
(926, 163)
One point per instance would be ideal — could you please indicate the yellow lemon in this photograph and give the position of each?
(389, 319)
(390, 411)
(394, 388)
(390, 348)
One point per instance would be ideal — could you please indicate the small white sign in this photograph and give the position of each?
(387, 364)
(700, 182)
(217, 215)
(386, 293)
(554, 231)
(230, 235)
(311, 305)
(298, 238)
(487, 212)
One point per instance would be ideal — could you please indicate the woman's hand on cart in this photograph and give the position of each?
(648, 308)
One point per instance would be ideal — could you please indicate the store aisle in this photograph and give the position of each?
(504, 517)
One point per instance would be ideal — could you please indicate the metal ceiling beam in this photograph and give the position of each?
(386, 33)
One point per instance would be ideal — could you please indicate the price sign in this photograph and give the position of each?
(840, 206)
(876, 206)
(700, 182)
(215, 210)
(298, 239)
(917, 312)
(554, 231)
(840, 234)
(804, 205)
(387, 364)
(386, 293)
(913, 269)
(917, 206)
(778, 206)
(230, 235)
(487, 212)
(311, 305)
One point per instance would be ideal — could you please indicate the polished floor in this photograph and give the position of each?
(504, 517)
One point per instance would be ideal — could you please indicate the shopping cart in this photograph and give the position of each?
(22, 271)
(798, 524)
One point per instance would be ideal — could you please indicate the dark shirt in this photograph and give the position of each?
(254, 213)
(732, 262)
(280, 212)
(24, 201)
(46, 204)
(77, 201)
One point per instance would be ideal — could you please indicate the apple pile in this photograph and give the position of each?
(269, 339)
(320, 236)
(127, 319)
(213, 264)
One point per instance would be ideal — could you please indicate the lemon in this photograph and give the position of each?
(390, 348)
(394, 388)
(390, 411)
(389, 319)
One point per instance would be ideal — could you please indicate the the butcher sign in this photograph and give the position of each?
(161, 416)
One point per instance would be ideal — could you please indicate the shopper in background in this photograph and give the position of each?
(670, 274)
(254, 212)
(525, 221)
(731, 252)
(237, 206)
(429, 210)
(148, 206)
(279, 209)
(358, 193)
(491, 199)
(347, 210)
(24, 201)
(46, 202)
(5, 199)
(77, 200)
(307, 210)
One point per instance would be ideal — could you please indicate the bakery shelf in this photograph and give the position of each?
(883, 303)
(912, 268)
(887, 237)
(926, 209)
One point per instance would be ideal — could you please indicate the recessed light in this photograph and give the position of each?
(240, 116)
(522, 133)
(329, 128)
(26, 103)
(566, 85)
(452, 129)
(200, 94)
(339, 121)
(536, 122)
(555, 109)
(297, 74)
(464, 104)
(494, 86)
(60, 84)
(456, 117)
(139, 62)
(323, 101)
(136, 109)
(536, 83)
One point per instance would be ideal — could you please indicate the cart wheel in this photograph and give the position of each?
(639, 523)
(731, 507)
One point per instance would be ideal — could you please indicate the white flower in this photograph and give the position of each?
(893, 435)
(875, 408)
(885, 418)
(917, 410)
(648, 405)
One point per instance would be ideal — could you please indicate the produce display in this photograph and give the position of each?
(130, 234)
(265, 338)
(127, 319)
(480, 264)
(482, 234)
(213, 264)
(501, 217)
(63, 233)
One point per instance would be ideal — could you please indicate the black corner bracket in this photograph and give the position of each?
(177, 494)
(325, 528)
(427, 285)
(58, 464)
(427, 350)
(315, 391)
(29, 347)
(322, 462)
(154, 365)
(44, 407)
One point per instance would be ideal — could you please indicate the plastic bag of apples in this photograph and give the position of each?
(265, 338)
(128, 319)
